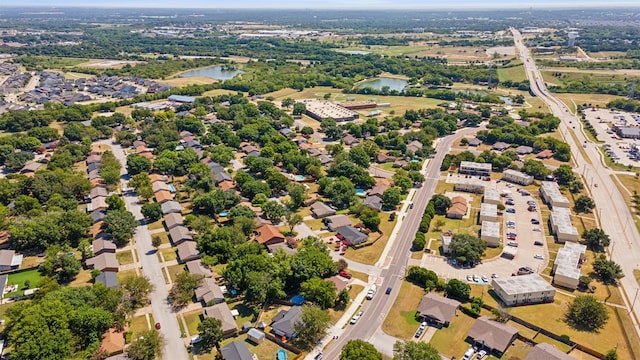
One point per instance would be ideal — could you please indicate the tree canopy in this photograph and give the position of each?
(359, 350)
(586, 313)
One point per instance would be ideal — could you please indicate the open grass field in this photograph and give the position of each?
(571, 100)
(370, 254)
(401, 321)
(156, 225)
(515, 73)
(83, 278)
(561, 77)
(32, 277)
(193, 80)
(449, 341)
(138, 324)
(106, 63)
(217, 92)
(168, 254)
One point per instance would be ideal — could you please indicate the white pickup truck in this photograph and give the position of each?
(371, 292)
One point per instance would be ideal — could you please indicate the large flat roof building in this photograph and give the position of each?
(474, 168)
(490, 233)
(523, 290)
(469, 185)
(561, 225)
(550, 192)
(517, 177)
(322, 109)
(566, 267)
(488, 212)
(491, 196)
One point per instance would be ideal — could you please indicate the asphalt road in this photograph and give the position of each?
(615, 217)
(395, 264)
(162, 311)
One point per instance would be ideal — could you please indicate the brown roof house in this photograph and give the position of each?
(320, 210)
(159, 186)
(437, 310)
(458, 208)
(157, 177)
(112, 342)
(340, 283)
(100, 246)
(545, 154)
(179, 234)
(414, 146)
(492, 335)
(269, 234)
(337, 221)
(209, 293)
(106, 261)
(163, 196)
(385, 158)
(221, 312)
(172, 220)
(195, 267)
(544, 351)
(187, 251)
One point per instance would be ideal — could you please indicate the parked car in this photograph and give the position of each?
(158, 326)
(538, 256)
(411, 206)
(511, 210)
(495, 276)
(318, 357)
(481, 354)
(468, 354)
(536, 229)
(510, 202)
(485, 279)
(512, 243)
(476, 278)
(469, 278)
(538, 243)
(345, 274)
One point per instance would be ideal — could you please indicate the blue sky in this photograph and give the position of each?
(328, 4)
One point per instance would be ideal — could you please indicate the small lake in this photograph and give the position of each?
(379, 83)
(353, 52)
(507, 100)
(215, 72)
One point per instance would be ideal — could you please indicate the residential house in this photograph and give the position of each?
(157, 177)
(544, 351)
(99, 203)
(93, 167)
(414, 146)
(339, 282)
(100, 246)
(352, 235)
(236, 350)
(160, 186)
(221, 312)
(163, 196)
(95, 174)
(458, 208)
(373, 202)
(209, 292)
(437, 310)
(385, 158)
(187, 251)
(98, 191)
(489, 334)
(4, 278)
(335, 222)
(179, 234)
(283, 323)
(172, 220)
(500, 146)
(98, 215)
(321, 210)
(475, 142)
(377, 190)
(350, 140)
(524, 150)
(269, 234)
(9, 260)
(92, 159)
(196, 267)
(226, 185)
(112, 342)
(30, 168)
(106, 261)
(545, 154)
(170, 207)
(400, 163)
(108, 279)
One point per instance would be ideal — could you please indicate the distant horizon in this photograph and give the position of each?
(366, 5)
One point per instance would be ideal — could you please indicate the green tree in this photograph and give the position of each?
(210, 333)
(287, 102)
(359, 350)
(611, 355)
(457, 289)
(535, 168)
(60, 266)
(152, 211)
(441, 203)
(586, 313)
(359, 156)
(312, 326)
(370, 218)
(89, 323)
(320, 292)
(241, 211)
(273, 210)
(403, 182)
(146, 347)
(467, 248)
(422, 277)
(419, 242)
(596, 239)
(607, 270)
(584, 204)
(115, 202)
(221, 154)
(299, 108)
(183, 287)
(293, 219)
(277, 182)
(137, 164)
(564, 174)
(120, 225)
(409, 350)
(311, 260)
(136, 290)
(297, 195)
(156, 241)
(341, 191)
(210, 203)
(391, 198)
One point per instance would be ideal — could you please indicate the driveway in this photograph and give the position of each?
(162, 310)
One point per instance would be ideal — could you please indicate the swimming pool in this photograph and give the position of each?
(299, 177)
(223, 214)
(172, 188)
(360, 192)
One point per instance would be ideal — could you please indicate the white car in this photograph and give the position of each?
(476, 278)
(356, 317)
(538, 256)
(481, 354)
(485, 279)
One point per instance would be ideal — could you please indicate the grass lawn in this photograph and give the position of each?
(515, 73)
(358, 275)
(314, 224)
(246, 313)
(571, 100)
(125, 274)
(31, 261)
(137, 325)
(168, 254)
(164, 238)
(449, 341)
(401, 321)
(369, 255)
(156, 225)
(192, 318)
(518, 350)
(83, 278)
(175, 270)
(124, 257)
(32, 276)
(266, 350)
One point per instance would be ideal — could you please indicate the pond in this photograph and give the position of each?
(507, 100)
(379, 83)
(353, 52)
(215, 72)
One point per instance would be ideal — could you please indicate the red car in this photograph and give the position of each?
(158, 326)
(345, 274)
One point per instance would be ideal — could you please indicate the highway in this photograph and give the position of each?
(614, 216)
(395, 264)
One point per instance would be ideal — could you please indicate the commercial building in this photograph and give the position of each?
(561, 225)
(491, 196)
(488, 212)
(474, 168)
(523, 290)
(490, 233)
(566, 267)
(626, 132)
(469, 185)
(517, 177)
(358, 105)
(322, 109)
(550, 192)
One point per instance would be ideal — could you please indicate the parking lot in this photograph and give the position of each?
(619, 149)
(524, 233)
